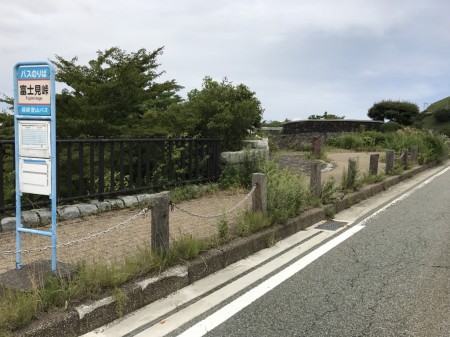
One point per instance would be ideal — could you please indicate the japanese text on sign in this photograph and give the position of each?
(34, 90)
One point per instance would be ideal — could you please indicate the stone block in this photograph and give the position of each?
(144, 199)
(103, 206)
(87, 209)
(30, 219)
(45, 216)
(130, 201)
(69, 212)
(8, 224)
(116, 203)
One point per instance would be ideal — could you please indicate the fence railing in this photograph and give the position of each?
(99, 168)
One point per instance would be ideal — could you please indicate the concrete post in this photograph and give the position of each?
(259, 198)
(390, 161)
(317, 146)
(414, 153)
(160, 223)
(315, 183)
(405, 158)
(373, 165)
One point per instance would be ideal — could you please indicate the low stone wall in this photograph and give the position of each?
(324, 126)
(296, 134)
(257, 150)
(39, 217)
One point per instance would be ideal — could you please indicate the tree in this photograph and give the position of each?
(442, 115)
(402, 112)
(326, 115)
(111, 93)
(224, 110)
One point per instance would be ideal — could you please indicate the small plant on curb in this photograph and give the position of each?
(328, 191)
(271, 240)
(223, 229)
(121, 299)
(330, 212)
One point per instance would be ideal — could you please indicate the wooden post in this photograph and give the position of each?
(315, 183)
(160, 223)
(390, 161)
(373, 165)
(259, 198)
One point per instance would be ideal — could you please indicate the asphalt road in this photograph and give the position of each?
(387, 274)
(392, 278)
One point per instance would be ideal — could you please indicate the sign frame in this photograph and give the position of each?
(35, 104)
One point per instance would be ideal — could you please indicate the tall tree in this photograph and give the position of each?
(224, 110)
(218, 109)
(111, 93)
(402, 112)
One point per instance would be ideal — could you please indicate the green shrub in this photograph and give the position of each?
(188, 192)
(286, 192)
(328, 190)
(436, 149)
(350, 177)
(390, 127)
(240, 175)
(442, 115)
(223, 229)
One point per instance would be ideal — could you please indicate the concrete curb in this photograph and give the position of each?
(136, 294)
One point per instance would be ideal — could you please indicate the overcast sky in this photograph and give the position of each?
(301, 57)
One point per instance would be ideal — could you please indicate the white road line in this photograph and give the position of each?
(229, 310)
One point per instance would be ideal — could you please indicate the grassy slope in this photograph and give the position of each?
(442, 104)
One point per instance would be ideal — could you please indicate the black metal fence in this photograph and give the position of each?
(99, 168)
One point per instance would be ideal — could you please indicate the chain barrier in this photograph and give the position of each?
(122, 224)
(211, 216)
(78, 241)
(401, 156)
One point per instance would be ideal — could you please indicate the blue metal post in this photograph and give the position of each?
(16, 159)
(53, 194)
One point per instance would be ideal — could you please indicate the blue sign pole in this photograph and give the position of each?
(35, 144)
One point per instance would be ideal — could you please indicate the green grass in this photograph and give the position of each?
(251, 222)
(439, 105)
(90, 281)
(432, 148)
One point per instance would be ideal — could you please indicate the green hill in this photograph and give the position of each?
(442, 104)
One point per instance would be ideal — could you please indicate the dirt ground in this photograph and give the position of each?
(134, 234)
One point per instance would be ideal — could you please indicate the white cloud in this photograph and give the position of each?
(300, 57)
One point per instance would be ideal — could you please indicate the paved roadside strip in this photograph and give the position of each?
(182, 280)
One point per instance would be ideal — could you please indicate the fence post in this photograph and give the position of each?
(390, 161)
(315, 182)
(373, 165)
(405, 158)
(317, 146)
(414, 153)
(160, 222)
(259, 198)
